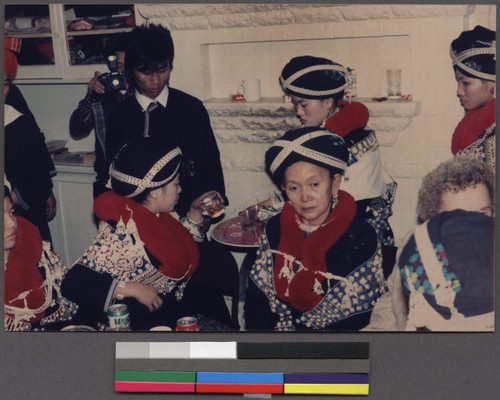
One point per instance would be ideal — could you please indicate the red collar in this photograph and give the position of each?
(297, 288)
(164, 236)
(22, 273)
(349, 117)
(471, 126)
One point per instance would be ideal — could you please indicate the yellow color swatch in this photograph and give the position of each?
(325, 388)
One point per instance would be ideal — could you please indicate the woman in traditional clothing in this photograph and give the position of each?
(473, 54)
(316, 86)
(33, 275)
(319, 264)
(142, 255)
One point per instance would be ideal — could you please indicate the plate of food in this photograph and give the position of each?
(231, 233)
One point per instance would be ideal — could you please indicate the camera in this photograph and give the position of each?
(113, 80)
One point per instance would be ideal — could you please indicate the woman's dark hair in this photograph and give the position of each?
(141, 197)
(149, 48)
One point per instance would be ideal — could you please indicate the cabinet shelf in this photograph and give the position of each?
(28, 35)
(58, 55)
(98, 32)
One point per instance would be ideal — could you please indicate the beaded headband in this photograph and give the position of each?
(147, 181)
(286, 84)
(466, 54)
(297, 147)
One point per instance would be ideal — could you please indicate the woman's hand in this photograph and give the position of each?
(195, 213)
(144, 294)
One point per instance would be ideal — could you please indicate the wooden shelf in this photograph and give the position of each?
(28, 35)
(98, 32)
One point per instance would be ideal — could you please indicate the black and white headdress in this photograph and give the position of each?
(317, 146)
(474, 53)
(313, 77)
(144, 164)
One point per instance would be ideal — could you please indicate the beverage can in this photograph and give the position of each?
(119, 318)
(187, 324)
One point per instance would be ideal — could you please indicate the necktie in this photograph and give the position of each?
(150, 108)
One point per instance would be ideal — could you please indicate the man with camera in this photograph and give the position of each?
(157, 109)
(95, 110)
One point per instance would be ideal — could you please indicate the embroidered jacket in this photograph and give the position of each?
(484, 148)
(353, 282)
(133, 245)
(34, 273)
(365, 178)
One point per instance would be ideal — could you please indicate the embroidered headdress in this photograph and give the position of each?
(313, 145)
(313, 77)
(142, 164)
(474, 53)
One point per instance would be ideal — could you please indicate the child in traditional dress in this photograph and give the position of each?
(142, 255)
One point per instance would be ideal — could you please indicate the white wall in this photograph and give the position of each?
(232, 62)
(52, 105)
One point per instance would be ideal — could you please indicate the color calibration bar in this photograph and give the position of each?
(242, 367)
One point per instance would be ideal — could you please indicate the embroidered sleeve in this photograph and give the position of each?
(262, 276)
(355, 294)
(194, 228)
(10, 325)
(484, 148)
(55, 271)
(117, 253)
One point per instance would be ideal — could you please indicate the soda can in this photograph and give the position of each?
(119, 318)
(187, 324)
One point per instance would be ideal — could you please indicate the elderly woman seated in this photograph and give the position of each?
(319, 264)
(455, 205)
(142, 256)
(33, 275)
